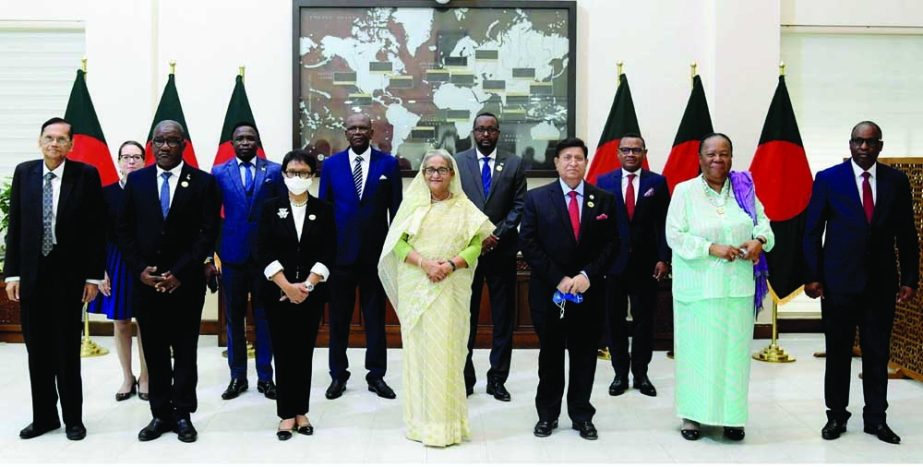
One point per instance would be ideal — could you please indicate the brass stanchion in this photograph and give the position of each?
(773, 353)
(603, 354)
(88, 348)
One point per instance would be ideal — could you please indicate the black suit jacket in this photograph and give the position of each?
(79, 227)
(548, 244)
(647, 233)
(277, 240)
(506, 199)
(856, 254)
(181, 242)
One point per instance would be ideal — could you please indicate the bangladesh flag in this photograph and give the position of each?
(622, 119)
(89, 143)
(783, 183)
(171, 109)
(683, 162)
(238, 112)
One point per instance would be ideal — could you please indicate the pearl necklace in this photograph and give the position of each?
(296, 204)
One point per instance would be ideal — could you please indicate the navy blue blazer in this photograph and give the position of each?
(237, 236)
(644, 240)
(856, 254)
(361, 225)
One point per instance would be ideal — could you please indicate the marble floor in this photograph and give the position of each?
(786, 414)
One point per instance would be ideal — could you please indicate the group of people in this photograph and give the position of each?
(594, 251)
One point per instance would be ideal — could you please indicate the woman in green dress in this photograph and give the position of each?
(426, 267)
(718, 231)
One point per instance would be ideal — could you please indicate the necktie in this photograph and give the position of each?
(868, 203)
(357, 175)
(630, 196)
(574, 210)
(248, 177)
(47, 214)
(485, 176)
(165, 194)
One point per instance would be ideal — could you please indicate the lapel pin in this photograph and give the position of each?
(590, 204)
(592, 197)
(320, 157)
(500, 168)
(184, 184)
(312, 217)
(283, 213)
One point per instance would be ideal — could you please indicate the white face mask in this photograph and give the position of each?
(297, 185)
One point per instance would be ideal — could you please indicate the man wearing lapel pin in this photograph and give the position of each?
(495, 181)
(245, 183)
(54, 263)
(364, 185)
(642, 199)
(568, 234)
(166, 231)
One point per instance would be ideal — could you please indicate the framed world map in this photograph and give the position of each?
(423, 72)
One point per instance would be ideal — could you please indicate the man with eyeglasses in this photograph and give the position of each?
(568, 235)
(55, 257)
(495, 181)
(165, 232)
(245, 183)
(859, 211)
(364, 185)
(642, 199)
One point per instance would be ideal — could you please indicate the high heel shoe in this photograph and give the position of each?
(145, 396)
(121, 396)
(284, 433)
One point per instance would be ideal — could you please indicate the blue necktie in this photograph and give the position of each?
(47, 214)
(248, 177)
(165, 194)
(485, 176)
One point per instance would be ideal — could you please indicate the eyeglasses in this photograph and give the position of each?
(568, 158)
(301, 175)
(486, 130)
(61, 140)
(131, 157)
(869, 141)
(173, 142)
(635, 151)
(358, 129)
(442, 171)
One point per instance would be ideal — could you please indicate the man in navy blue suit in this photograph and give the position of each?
(245, 182)
(364, 185)
(568, 234)
(866, 209)
(642, 199)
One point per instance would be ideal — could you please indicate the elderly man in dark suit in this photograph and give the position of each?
(642, 199)
(495, 181)
(54, 263)
(569, 232)
(866, 209)
(166, 231)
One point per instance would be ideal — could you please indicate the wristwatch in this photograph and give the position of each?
(309, 286)
(761, 239)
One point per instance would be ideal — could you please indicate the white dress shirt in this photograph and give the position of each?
(491, 161)
(243, 171)
(635, 183)
(366, 156)
(873, 172)
(173, 180)
(567, 191)
(298, 213)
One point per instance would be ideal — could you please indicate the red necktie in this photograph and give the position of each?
(574, 211)
(630, 197)
(868, 203)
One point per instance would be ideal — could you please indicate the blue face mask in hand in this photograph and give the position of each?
(560, 299)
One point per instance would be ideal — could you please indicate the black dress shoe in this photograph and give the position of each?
(305, 429)
(380, 387)
(185, 431)
(644, 385)
(586, 429)
(153, 430)
(833, 429)
(284, 435)
(883, 432)
(691, 434)
(121, 396)
(235, 387)
(76, 432)
(734, 434)
(498, 391)
(335, 389)
(267, 388)
(544, 427)
(619, 385)
(34, 430)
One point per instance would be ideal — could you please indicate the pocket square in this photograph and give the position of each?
(649, 193)
(602, 217)
(383, 177)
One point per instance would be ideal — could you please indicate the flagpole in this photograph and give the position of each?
(240, 71)
(693, 73)
(172, 67)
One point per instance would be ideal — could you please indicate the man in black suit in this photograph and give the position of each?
(642, 199)
(866, 209)
(495, 181)
(167, 229)
(568, 234)
(54, 263)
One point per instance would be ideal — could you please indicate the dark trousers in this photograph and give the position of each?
(578, 334)
(500, 274)
(873, 313)
(343, 282)
(171, 321)
(237, 282)
(641, 293)
(51, 326)
(294, 332)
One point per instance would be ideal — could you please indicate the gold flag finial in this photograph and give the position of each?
(83, 64)
(619, 65)
(693, 66)
(240, 71)
(781, 68)
(172, 67)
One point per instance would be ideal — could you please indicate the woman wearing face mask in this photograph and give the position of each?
(294, 247)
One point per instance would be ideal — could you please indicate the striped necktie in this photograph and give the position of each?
(357, 175)
(47, 214)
